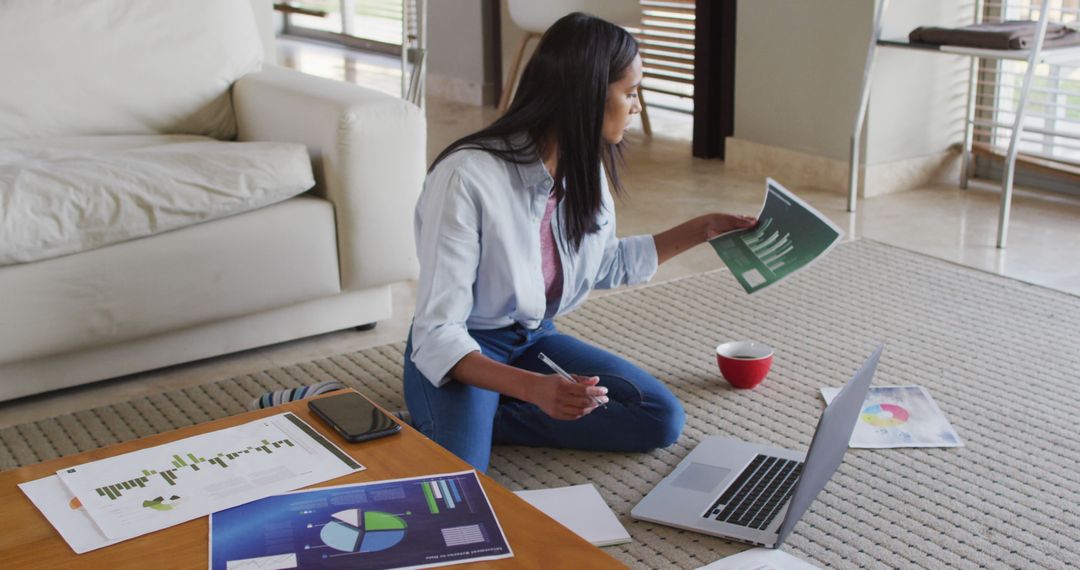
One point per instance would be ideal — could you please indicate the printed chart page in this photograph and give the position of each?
(790, 234)
(151, 489)
(427, 521)
(899, 416)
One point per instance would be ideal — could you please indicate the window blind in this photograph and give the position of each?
(1052, 118)
(666, 37)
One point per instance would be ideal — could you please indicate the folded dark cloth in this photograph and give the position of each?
(1013, 34)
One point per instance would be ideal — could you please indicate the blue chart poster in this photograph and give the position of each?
(404, 523)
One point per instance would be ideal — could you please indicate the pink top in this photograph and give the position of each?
(550, 261)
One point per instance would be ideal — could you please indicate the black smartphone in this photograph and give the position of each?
(353, 416)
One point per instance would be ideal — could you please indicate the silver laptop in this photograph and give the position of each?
(751, 492)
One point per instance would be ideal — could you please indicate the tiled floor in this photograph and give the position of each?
(666, 186)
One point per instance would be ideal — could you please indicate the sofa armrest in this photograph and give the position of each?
(368, 153)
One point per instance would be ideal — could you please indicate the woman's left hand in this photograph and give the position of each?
(717, 224)
(696, 231)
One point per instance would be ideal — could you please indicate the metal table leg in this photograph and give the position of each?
(1018, 128)
(969, 116)
(864, 99)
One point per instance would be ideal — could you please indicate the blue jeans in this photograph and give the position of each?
(641, 414)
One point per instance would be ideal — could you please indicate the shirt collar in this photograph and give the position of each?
(533, 173)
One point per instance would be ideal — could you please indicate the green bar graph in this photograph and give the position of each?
(170, 476)
(434, 508)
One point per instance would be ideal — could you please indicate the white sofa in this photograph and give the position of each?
(124, 70)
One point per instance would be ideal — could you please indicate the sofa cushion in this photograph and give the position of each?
(62, 196)
(270, 258)
(99, 67)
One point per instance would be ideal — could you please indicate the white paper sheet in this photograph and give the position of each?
(581, 509)
(151, 489)
(899, 416)
(760, 559)
(65, 513)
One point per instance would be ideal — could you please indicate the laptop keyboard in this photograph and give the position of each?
(761, 490)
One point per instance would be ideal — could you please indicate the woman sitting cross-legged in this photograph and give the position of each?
(516, 225)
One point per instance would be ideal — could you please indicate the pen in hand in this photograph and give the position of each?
(558, 370)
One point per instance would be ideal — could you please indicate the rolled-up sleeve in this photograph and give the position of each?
(448, 245)
(627, 261)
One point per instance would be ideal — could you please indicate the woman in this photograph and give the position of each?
(514, 227)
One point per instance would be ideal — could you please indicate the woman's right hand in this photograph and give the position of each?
(563, 400)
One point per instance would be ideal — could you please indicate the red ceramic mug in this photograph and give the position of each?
(744, 363)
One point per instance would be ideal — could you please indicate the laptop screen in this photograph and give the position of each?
(829, 443)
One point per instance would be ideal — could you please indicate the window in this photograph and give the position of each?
(667, 52)
(366, 24)
(1052, 119)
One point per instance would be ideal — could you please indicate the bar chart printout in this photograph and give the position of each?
(151, 489)
(790, 234)
(426, 521)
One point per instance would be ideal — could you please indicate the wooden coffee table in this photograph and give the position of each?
(27, 540)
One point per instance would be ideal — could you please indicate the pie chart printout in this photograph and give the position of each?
(884, 415)
(899, 416)
(357, 531)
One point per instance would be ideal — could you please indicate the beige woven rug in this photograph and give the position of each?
(1001, 358)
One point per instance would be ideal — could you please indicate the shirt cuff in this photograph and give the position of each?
(440, 351)
(640, 258)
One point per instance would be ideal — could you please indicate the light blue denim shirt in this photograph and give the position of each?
(477, 226)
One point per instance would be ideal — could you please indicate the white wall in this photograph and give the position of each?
(264, 19)
(460, 54)
(797, 71)
(917, 99)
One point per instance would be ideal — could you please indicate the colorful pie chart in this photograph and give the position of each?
(355, 530)
(884, 415)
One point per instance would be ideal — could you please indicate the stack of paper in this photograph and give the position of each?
(102, 502)
(760, 559)
(581, 509)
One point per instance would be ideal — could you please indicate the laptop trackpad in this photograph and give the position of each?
(700, 477)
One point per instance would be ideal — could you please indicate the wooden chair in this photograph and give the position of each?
(536, 17)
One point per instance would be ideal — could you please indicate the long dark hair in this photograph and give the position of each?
(563, 94)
